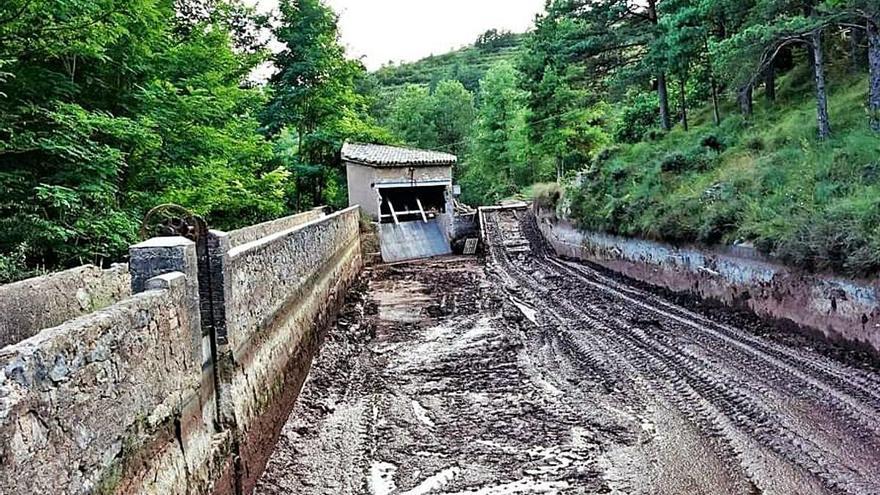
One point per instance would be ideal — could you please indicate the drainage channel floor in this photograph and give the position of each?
(529, 374)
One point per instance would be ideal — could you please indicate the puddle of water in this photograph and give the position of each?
(526, 310)
(435, 482)
(422, 414)
(522, 486)
(382, 478)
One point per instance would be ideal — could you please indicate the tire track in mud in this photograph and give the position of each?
(781, 412)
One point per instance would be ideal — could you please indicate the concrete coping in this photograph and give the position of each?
(167, 281)
(246, 232)
(81, 322)
(60, 275)
(259, 243)
(163, 242)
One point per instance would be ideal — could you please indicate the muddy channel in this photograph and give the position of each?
(523, 373)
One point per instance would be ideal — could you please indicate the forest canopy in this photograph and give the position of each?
(715, 121)
(111, 107)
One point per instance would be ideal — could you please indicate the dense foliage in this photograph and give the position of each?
(733, 121)
(467, 65)
(110, 107)
(794, 175)
(646, 112)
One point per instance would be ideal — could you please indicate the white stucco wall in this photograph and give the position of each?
(363, 180)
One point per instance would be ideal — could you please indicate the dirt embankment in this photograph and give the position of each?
(530, 374)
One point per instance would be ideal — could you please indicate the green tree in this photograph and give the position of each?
(498, 166)
(314, 96)
(111, 107)
(858, 15)
(750, 53)
(453, 115)
(412, 117)
(210, 155)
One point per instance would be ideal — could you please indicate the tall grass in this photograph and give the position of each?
(767, 181)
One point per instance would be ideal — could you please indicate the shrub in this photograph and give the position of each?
(654, 135)
(13, 266)
(720, 217)
(713, 142)
(675, 162)
(639, 116)
(603, 156)
(755, 143)
(844, 238)
(547, 195)
(871, 173)
(692, 160)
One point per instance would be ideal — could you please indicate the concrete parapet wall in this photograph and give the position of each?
(279, 293)
(29, 306)
(838, 308)
(256, 232)
(183, 387)
(112, 402)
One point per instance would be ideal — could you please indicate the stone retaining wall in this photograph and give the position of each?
(279, 292)
(31, 305)
(170, 392)
(838, 308)
(256, 232)
(111, 402)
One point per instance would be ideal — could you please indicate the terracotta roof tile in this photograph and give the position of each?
(391, 156)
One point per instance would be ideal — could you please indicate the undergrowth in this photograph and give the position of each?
(766, 181)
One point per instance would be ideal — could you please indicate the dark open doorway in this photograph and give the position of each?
(409, 203)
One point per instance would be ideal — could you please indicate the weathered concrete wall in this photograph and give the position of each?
(390, 175)
(112, 402)
(838, 308)
(278, 293)
(362, 181)
(255, 232)
(360, 189)
(31, 305)
(177, 390)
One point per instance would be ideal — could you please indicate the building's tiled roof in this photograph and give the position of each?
(391, 156)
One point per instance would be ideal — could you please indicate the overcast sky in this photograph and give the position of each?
(380, 31)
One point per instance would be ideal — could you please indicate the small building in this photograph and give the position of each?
(409, 192)
(388, 180)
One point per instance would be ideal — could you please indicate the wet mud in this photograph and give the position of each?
(524, 373)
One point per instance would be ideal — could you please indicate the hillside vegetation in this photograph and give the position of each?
(765, 180)
(719, 121)
(467, 65)
(753, 122)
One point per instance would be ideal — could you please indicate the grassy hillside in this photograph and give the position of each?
(767, 181)
(467, 65)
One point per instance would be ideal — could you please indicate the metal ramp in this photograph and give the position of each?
(412, 240)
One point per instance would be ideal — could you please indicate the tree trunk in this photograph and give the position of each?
(856, 57)
(745, 101)
(716, 111)
(770, 83)
(662, 92)
(874, 66)
(821, 91)
(663, 96)
(682, 88)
